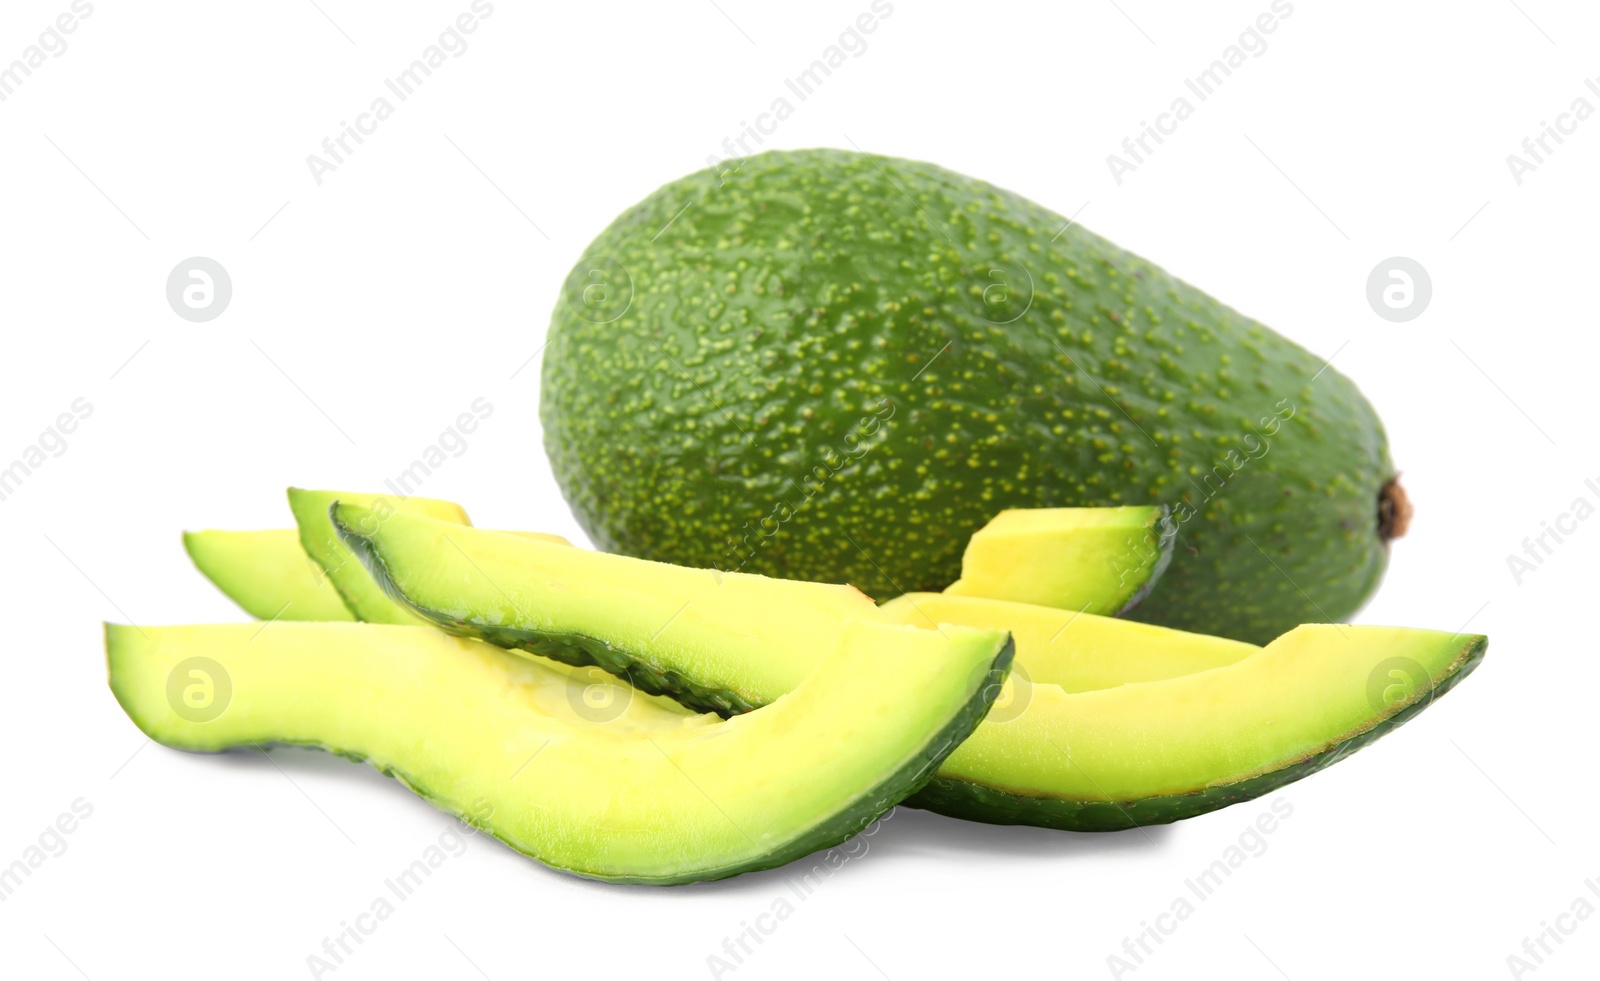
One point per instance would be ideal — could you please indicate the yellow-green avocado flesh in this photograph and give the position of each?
(270, 576)
(267, 573)
(1077, 651)
(651, 794)
(1092, 560)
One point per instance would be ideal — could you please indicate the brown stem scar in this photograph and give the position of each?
(1394, 511)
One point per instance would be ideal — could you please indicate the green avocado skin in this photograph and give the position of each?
(836, 366)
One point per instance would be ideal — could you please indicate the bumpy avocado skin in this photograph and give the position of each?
(835, 366)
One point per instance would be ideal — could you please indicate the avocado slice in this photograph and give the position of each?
(654, 794)
(270, 576)
(267, 573)
(836, 366)
(646, 625)
(361, 595)
(1075, 651)
(1203, 741)
(1158, 751)
(1094, 560)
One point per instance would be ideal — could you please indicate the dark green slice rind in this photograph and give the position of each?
(975, 802)
(1164, 529)
(897, 786)
(576, 649)
(580, 650)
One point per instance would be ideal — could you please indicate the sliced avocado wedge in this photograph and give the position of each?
(1093, 560)
(267, 573)
(1077, 651)
(641, 620)
(654, 794)
(361, 595)
(270, 576)
(1158, 751)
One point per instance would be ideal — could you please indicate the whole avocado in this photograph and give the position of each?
(837, 366)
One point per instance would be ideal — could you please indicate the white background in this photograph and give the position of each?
(373, 309)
